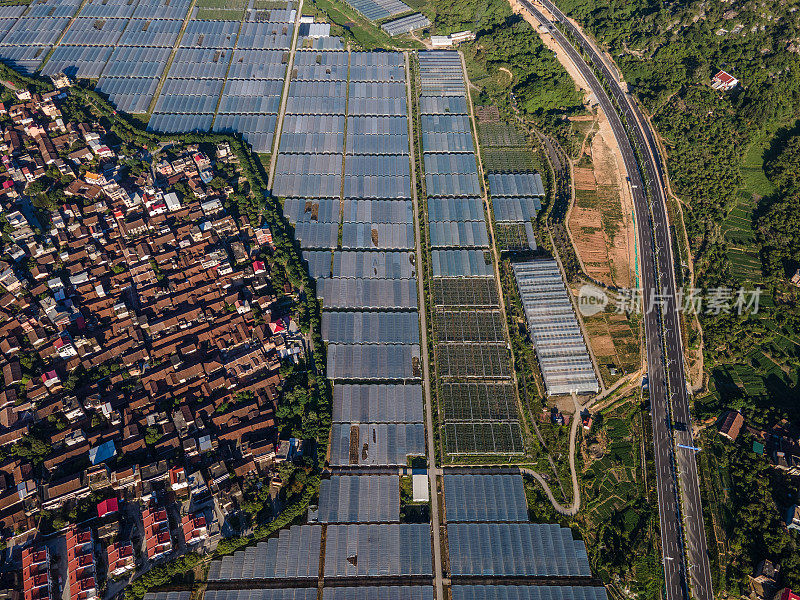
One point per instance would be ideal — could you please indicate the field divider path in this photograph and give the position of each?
(228, 70)
(61, 35)
(168, 65)
(492, 241)
(423, 324)
(273, 159)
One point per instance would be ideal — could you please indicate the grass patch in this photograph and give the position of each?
(223, 4)
(500, 135)
(264, 158)
(219, 14)
(511, 237)
(511, 160)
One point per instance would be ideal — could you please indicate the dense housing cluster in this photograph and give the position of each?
(141, 341)
(170, 346)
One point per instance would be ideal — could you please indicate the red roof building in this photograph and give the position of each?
(177, 479)
(120, 558)
(107, 507)
(36, 583)
(788, 594)
(264, 236)
(80, 564)
(194, 528)
(158, 541)
(724, 81)
(731, 425)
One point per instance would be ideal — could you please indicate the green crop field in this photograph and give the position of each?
(223, 4)
(219, 14)
(511, 237)
(500, 135)
(511, 160)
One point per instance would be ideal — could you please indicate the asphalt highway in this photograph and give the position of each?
(684, 550)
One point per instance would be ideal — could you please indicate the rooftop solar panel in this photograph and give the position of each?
(370, 550)
(360, 499)
(315, 105)
(371, 89)
(317, 235)
(471, 497)
(180, 123)
(319, 263)
(131, 94)
(151, 32)
(461, 263)
(342, 292)
(406, 592)
(447, 142)
(269, 560)
(455, 209)
(107, 9)
(406, 24)
(210, 34)
(378, 211)
(372, 236)
(370, 327)
(325, 43)
(238, 105)
(25, 59)
(515, 209)
(12, 12)
(256, 130)
(560, 348)
(374, 362)
(377, 106)
(441, 105)
(376, 444)
(527, 592)
(162, 9)
(515, 184)
(380, 265)
(136, 62)
(375, 403)
(77, 61)
(459, 234)
(6, 23)
(200, 63)
(322, 210)
(513, 549)
(168, 596)
(35, 31)
(94, 31)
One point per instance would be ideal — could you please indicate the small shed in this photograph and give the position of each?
(419, 485)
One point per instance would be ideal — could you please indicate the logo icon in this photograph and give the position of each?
(591, 300)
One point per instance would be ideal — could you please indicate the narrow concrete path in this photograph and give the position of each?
(423, 324)
(273, 159)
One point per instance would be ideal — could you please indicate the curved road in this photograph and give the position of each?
(683, 541)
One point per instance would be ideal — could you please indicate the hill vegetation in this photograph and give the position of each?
(734, 162)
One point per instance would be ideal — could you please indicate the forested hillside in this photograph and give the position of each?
(734, 162)
(510, 56)
(717, 143)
